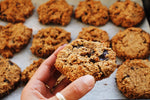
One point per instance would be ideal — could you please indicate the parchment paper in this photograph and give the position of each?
(104, 89)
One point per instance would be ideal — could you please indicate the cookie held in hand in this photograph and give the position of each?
(83, 57)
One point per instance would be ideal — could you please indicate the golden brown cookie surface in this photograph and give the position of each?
(94, 34)
(15, 10)
(131, 43)
(133, 79)
(13, 37)
(47, 40)
(30, 70)
(83, 57)
(126, 13)
(9, 76)
(92, 12)
(55, 11)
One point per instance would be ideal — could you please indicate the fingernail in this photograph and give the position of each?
(89, 80)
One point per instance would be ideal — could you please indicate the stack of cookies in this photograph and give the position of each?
(92, 52)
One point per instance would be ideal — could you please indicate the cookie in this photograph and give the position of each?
(9, 76)
(15, 10)
(83, 57)
(94, 34)
(131, 43)
(30, 70)
(126, 13)
(133, 79)
(92, 12)
(55, 11)
(13, 37)
(47, 40)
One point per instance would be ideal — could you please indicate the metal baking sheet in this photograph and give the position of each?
(104, 89)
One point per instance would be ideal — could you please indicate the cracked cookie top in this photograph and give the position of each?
(83, 57)
(47, 40)
(126, 13)
(133, 79)
(131, 43)
(55, 11)
(15, 10)
(13, 37)
(92, 12)
(9, 76)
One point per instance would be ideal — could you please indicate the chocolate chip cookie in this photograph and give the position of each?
(131, 43)
(94, 34)
(30, 70)
(133, 79)
(83, 57)
(126, 13)
(15, 10)
(55, 11)
(47, 40)
(92, 12)
(9, 76)
(13, 37)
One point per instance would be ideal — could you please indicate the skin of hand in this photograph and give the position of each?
(45, 78)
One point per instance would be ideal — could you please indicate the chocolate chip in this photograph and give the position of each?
(85, 13)
(4, 15)
(39, 50)
(105, 17)
(92, 60)
(135, 5)
(132, 68)
(5, 80)
(11, 63)
(127, 76)
(91, 53)
(103, 56)
(117, 13)
(116, 7)
(78, 46)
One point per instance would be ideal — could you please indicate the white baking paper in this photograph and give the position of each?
(104, 89)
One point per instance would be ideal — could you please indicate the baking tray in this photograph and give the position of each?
(104, 89)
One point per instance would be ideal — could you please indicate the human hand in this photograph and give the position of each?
(45, 78)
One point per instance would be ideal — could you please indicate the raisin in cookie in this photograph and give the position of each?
(131, 43)
(55, 11)
(94, 34)
(9, 76)
(126, 13)
(92, 12)
(13, 37)
(15, 10)
(46, 41)
(133, 79)
(83, 57)
(30, 70)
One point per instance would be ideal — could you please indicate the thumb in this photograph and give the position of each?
(78, 88)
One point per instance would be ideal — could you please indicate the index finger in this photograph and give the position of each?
(46, 69)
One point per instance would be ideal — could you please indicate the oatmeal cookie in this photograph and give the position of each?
(94, 34)
(92, 12)
(126, 13)
(9, 76)
(133, 79)
(30, 70)
(131, 43)
(83, 57)
(47, 40)
(55, 11)
(13, 37)
(15, 10)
